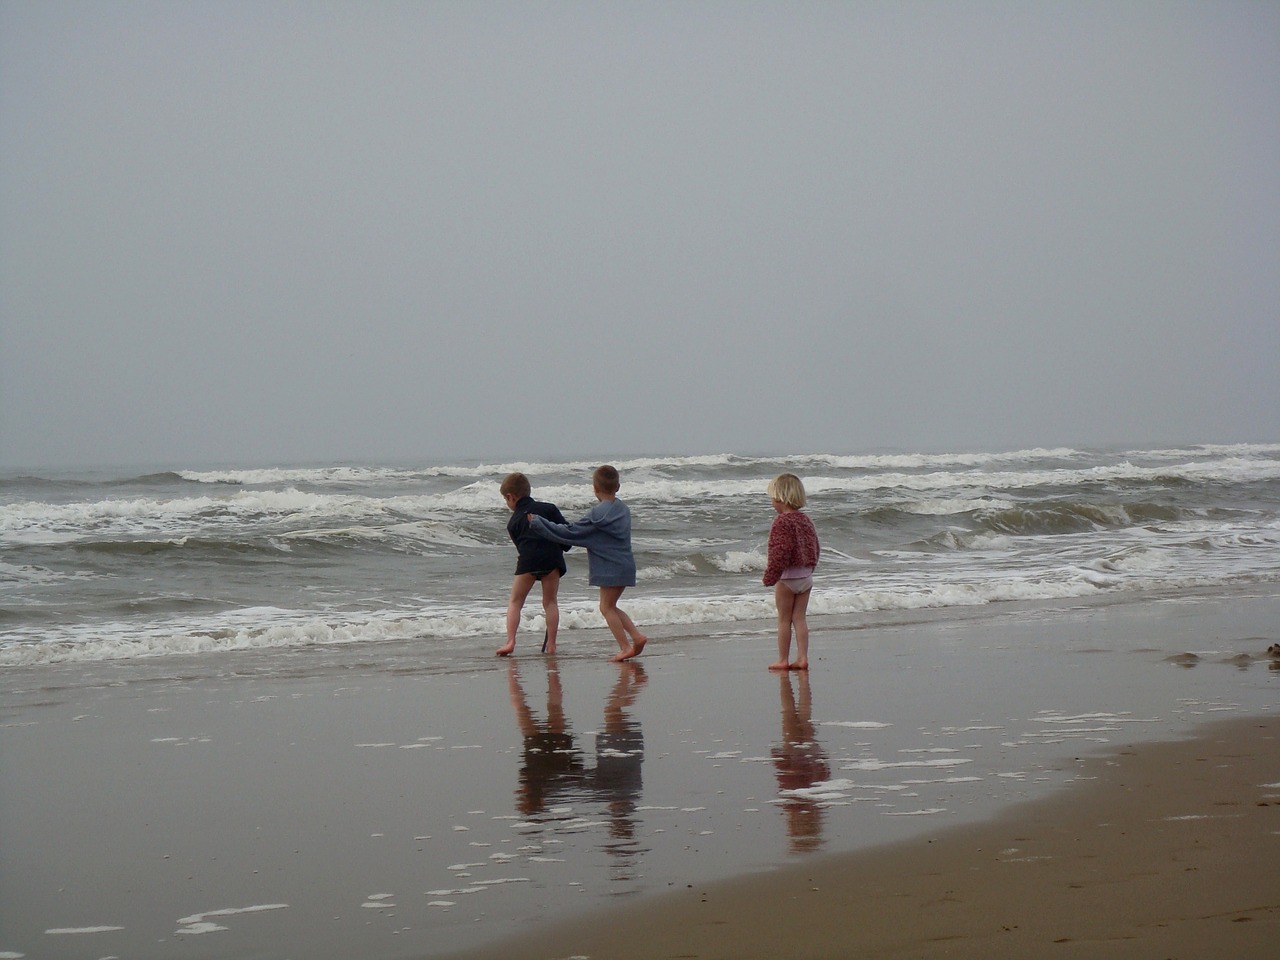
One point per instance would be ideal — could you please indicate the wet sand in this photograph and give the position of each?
(988, 782)
(1161, 850)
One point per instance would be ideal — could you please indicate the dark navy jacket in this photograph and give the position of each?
(536, 554)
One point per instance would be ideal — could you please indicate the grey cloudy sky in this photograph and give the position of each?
(274, 232)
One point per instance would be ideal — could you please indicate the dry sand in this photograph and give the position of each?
(1171, 851)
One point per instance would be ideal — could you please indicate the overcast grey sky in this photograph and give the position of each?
(272, 232)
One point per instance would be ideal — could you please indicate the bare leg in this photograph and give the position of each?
(521, 584)
(630, 640)
(551, 607)
(785, 601)
(801, 625)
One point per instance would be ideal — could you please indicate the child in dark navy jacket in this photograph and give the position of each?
(538, 560)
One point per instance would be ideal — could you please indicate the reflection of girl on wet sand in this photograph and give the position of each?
(799, 763)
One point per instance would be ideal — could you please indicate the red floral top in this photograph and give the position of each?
(793, 542)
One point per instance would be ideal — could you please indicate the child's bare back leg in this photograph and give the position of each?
(630, 640)
(786, 603)
(800, 623)
(521, 584)
(551, 607)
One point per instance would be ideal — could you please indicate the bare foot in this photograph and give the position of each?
(507, 650)
(636, 646)
(780, 665)
(798, 665)
(549, 647)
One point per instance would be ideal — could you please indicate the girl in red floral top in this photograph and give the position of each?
(793, 554)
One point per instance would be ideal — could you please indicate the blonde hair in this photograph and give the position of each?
(787, 488)
(607, 479)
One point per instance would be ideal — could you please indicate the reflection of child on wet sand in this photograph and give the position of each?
(551, 761)
(606, 533)
(553, 770)
(538, 560)
(793, 554)
(800, 764)
(619, 755)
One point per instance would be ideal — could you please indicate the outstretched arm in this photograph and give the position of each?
(565, 534)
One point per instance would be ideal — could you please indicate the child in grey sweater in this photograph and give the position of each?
(606, 533)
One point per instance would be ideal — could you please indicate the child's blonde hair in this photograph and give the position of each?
(606, 479)
(787, 488)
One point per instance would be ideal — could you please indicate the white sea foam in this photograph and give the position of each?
(1053, 717)
(665, 571)
(1215, 449)
(33, 523)
(868, 764)
(347, 475)
(307, 476)
(826, 790)
(61, 931)
(352, 474)
(232, 911)
(38, 522)
(268, 627)
(946, 506)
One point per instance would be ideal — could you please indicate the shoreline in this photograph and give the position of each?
(476, 654)
(1167, 848)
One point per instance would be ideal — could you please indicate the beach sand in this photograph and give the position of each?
(1170, 852)
(1069, 780)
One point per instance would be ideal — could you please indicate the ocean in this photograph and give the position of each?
(109, 566)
